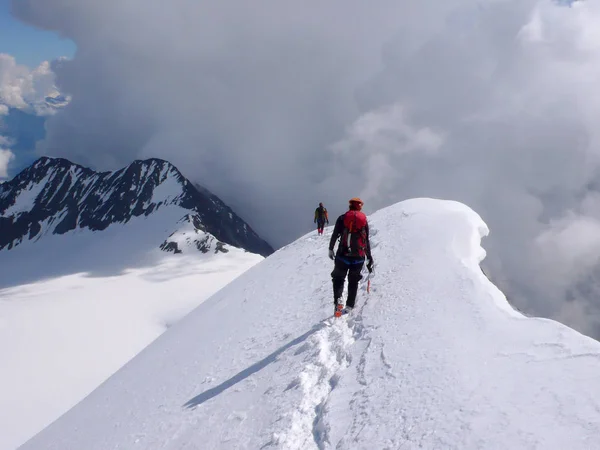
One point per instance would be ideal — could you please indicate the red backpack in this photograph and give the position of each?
(354, 235)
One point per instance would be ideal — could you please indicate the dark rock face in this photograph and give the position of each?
(55, 196)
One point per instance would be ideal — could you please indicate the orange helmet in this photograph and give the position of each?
(356, 203)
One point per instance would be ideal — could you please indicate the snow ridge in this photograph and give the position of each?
(432, 357)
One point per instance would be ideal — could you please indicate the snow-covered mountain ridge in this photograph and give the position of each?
(433, 357)
(55, 196)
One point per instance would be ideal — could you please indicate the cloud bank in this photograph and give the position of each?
(21, 87)
(278, 106)
(22, 90)
(5, 157)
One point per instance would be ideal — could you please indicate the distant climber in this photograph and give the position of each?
(352, 229)
(321, 218)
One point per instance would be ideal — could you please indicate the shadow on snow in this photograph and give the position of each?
(213, 392)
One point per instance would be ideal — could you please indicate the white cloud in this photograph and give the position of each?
(386, 130)
(5, 141)
(21, 87)
(376, 145)
(521, 145)
(278, 106)
(5, 157)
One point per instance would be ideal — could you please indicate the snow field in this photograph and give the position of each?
(90, 303)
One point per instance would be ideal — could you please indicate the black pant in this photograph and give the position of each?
(320, 225)
(352, 268)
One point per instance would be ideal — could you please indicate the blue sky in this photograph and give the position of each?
(27, 44)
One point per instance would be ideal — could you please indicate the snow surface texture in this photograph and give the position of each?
(106, 296)
(434, 357)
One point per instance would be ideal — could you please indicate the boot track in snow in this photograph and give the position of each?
(332, 356)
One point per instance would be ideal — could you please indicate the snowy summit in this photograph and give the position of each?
(56, 196)
(433, 357)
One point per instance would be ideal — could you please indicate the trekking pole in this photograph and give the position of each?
(369, 279)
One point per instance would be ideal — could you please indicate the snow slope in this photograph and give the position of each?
(433, 357)
(75, 307)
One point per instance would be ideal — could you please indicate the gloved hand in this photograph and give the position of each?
(327, 222)
(370, 265)
(315, 221)
(331, 255)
